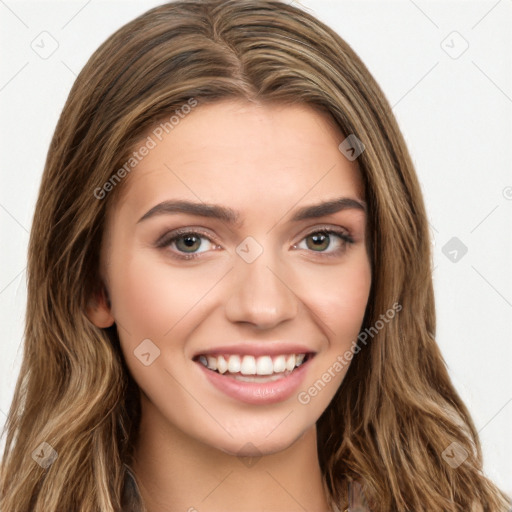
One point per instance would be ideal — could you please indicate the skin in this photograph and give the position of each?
(264, 161)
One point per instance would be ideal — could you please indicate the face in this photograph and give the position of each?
(214, 255)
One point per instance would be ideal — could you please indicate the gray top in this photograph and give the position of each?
(130, 499)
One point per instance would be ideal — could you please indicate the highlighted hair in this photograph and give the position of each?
(396, 410)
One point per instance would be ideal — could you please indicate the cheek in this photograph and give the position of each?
(339, 306)
(149, 297)
(140, 298)
(339, 298)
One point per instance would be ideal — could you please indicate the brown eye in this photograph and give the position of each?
(190, 243)
(186, 244)
(327, 241)
(319, 241)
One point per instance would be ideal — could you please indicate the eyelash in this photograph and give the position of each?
(167, 239)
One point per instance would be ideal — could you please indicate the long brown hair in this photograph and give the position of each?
(396, 411)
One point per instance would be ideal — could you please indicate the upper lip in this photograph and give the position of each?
(257, 349)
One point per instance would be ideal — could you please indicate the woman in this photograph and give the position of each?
(191, 348)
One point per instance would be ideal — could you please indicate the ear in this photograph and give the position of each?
(99, 309)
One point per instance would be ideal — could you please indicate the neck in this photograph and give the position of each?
(177, 473)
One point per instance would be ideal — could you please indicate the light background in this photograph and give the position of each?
(454, 111)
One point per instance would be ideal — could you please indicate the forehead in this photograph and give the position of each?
(245, 155)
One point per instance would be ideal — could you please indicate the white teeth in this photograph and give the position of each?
(279, 364)
(290, 362)
(234, 364)
(262, 378)
(264, 366)
(222, 365)
(250, 365)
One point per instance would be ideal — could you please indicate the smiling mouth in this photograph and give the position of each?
(248, 368)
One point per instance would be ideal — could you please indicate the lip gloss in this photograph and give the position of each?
(257, 393)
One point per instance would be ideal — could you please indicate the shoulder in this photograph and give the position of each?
(130, 497)
(356, 499)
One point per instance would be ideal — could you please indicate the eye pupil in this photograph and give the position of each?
(188, 241)
(319, 240)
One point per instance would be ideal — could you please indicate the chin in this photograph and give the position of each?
(259, 442)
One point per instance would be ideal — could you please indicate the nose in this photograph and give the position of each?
(260, 294)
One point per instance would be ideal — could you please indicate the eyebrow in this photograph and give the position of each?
(233, 217)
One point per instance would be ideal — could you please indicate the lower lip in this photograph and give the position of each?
(258, 392)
